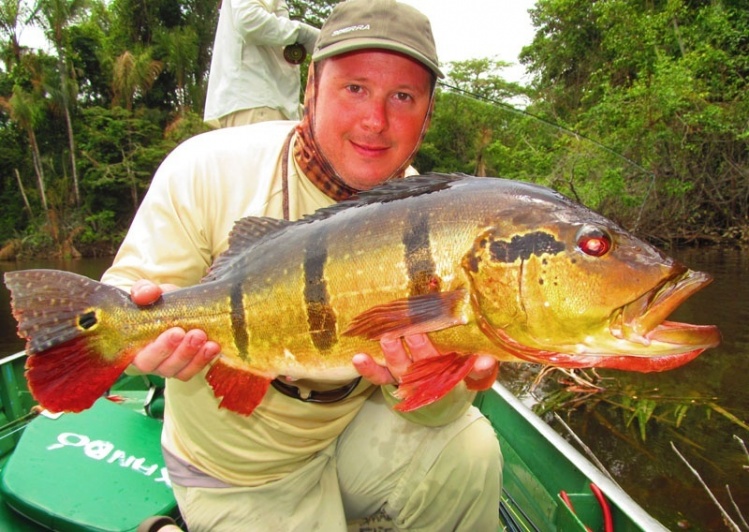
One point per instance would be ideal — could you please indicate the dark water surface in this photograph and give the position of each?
(714, 387)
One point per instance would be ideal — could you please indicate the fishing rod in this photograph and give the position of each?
(554, 125)
(558, 127)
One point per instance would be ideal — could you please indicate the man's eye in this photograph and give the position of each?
(356, 89)
(403, 97)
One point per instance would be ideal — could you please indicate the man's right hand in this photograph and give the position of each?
(174, 353)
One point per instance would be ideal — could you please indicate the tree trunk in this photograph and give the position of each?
(23, 191)
(37, 160)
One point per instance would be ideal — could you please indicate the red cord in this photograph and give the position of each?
(563, 495)
(608, 521)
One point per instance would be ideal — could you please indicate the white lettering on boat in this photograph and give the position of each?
(104, 450)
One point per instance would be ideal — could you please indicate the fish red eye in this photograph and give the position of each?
(593, 241)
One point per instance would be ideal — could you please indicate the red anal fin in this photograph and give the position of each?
(412, 315)
(71, 376)
(239, 391)
(430, 379)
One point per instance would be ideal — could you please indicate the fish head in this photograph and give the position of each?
(555, 283)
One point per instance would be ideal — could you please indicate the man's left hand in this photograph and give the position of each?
(400, 354)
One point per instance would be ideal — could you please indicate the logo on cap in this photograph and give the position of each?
(358, 27)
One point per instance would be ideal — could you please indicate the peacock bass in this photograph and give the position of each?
(483, 265)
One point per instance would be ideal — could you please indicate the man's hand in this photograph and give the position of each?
(398, 357)
(174, 353)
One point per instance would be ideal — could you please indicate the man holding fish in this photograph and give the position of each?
(325, 403)
(313, 454)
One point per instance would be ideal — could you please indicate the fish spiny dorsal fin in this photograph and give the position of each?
(245, 234)
(393, 190)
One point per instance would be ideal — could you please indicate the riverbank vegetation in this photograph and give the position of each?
(656, 93)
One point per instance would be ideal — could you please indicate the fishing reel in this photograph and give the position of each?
(295, 54)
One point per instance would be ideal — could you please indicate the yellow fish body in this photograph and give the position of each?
(483, 265)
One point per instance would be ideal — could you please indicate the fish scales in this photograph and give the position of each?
(482, 265)
(339, 275)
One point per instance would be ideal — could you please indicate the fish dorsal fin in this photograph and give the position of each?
(245, 234)
(393, 190)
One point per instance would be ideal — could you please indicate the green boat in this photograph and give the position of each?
(102, 470)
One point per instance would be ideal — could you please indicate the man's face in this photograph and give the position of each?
(370, 110)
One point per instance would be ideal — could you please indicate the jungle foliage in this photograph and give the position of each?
(655, 92)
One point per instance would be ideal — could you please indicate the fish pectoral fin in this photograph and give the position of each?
(240, 391)
(430, 379)
(411, 315)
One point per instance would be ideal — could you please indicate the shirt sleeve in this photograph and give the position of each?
(197, 194)
(256, 24)
(167, 241)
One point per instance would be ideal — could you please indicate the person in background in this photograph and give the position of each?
(295, 464)
(254, 73)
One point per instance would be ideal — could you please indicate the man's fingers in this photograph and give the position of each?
(145, 293)
(396, 356)
(176, 353)
(205, 353)
(154, 354)
(483, 374)
(420, 347)
(184, 358)
(372, 371)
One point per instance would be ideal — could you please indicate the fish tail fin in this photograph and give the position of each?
(430, 379)
(59, 314)
(240, 391)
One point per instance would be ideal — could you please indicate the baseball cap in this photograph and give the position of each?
(386, 24)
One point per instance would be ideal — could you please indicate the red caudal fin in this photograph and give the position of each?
(430, 379)
(240, 391)
(71, 376)
(75, 352)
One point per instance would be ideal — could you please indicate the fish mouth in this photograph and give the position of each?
(657, 344)
(643, 320)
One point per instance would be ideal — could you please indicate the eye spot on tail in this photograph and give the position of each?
(87, 320)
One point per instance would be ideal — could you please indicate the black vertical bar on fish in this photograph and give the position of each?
(422, 274)
(238, 322)
(321, 317)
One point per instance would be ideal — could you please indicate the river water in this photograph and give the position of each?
(709, 391)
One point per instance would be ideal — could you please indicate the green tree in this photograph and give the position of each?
(133, 74)
(25, 109)
(469, 123)
(665, 84)
(179, 47)
(56, 16)
(13, 14)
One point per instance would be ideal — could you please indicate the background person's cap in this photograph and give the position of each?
(386, 24)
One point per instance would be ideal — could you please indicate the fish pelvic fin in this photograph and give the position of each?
(430, 379)
(416, 314)
(59, 315)
(240, 391)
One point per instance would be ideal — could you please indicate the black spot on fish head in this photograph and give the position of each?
(524, 247)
